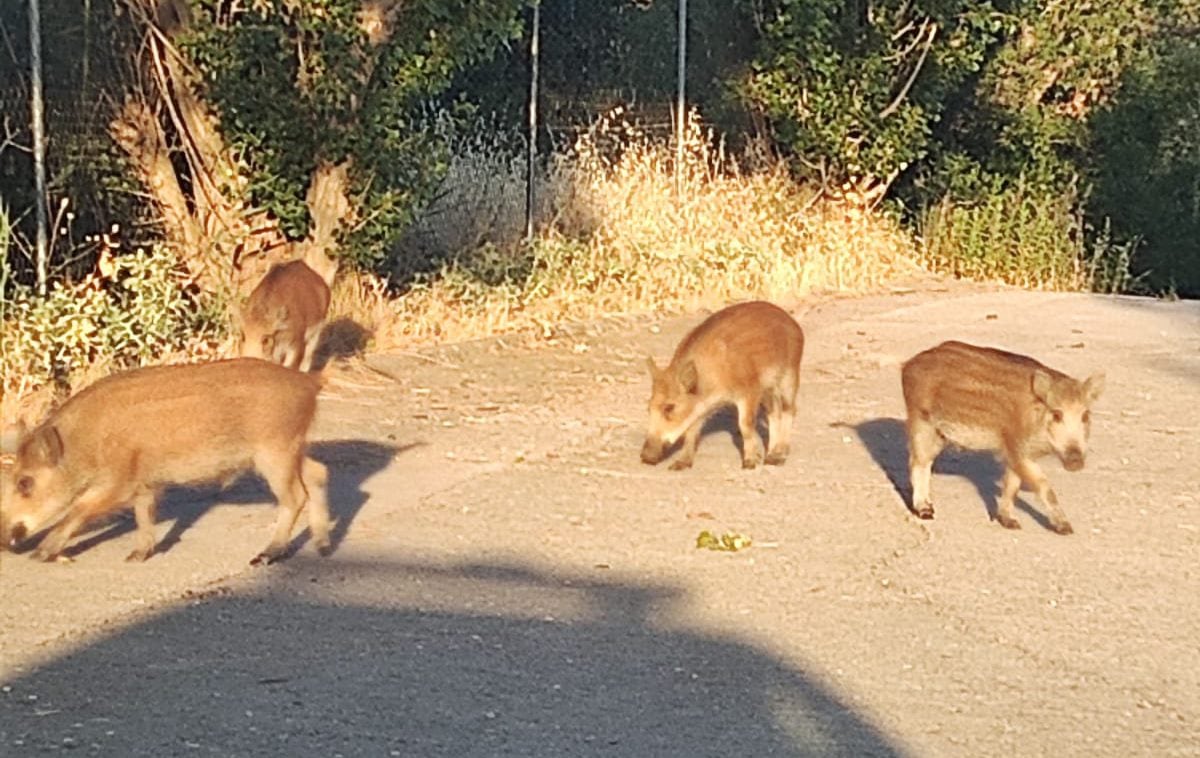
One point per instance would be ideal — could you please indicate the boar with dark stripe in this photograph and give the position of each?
(987, 399)
(747, 355)
(121, 441)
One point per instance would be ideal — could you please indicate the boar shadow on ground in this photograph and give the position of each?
(350, 463)
(725, 419)
(341, 338)
(887, 441)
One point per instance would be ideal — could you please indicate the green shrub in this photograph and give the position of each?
(1016, 235)
(1028, 236)
(142, 309)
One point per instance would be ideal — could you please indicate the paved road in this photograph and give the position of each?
(510, 580)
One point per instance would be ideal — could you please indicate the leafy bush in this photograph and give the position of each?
(138, 308)
(301, 84)
(1147, 167)
(854, 90)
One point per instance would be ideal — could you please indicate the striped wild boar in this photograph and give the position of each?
(119, 442)
(986, 399)
(746, 355)
(284, 316)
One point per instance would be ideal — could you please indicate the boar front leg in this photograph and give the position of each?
(687, 454)
(1032, 473)
(92, 503)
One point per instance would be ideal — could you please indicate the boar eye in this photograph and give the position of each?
(25, 486)
(668, 409)
(1057, 416)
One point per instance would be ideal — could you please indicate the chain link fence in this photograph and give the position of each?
(594, 57)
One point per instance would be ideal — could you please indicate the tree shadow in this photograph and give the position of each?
(350, 463)
(886, 439)
(390, 657)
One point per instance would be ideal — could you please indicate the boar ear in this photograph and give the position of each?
(1041, 386)
(1094, 386)
(11, 437)
(650, 364)
(688, 378)
(46, 445)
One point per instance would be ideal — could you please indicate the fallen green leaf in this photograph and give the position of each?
(728, 542)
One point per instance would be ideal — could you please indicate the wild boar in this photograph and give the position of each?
(284, 316)
(119, 442)
(987, 399)
(748, 355)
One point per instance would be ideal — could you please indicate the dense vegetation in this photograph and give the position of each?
(1052, 144)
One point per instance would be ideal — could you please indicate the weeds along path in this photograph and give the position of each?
(491, 498)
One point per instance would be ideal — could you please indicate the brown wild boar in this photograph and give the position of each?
(748, 355)
(986, 399)
(119, 442)
(284, 316)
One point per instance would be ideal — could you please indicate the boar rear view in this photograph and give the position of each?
(119, 442)
(747, 355)
(987, 399)
(284, 316)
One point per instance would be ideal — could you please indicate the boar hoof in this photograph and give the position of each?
(682, 464)
(924, 512)
(1062, 527)
(325, 550)
(266, 558)
(137, 556)
(776, 459)
(46, 556)
(1008, 522)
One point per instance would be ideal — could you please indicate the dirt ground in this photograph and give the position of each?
(511, 580)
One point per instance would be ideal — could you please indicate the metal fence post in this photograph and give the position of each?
(36, 116)
(680, 98)
(531, 148)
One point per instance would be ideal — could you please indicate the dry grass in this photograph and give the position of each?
(618, 239)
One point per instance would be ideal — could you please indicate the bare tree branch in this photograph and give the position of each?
(912, 78)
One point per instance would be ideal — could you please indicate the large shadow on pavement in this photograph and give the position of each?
(384, 658)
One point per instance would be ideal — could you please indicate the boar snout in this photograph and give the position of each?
(15, 535)
(1073, 459)
(652, 451)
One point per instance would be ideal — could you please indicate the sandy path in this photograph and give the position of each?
(512, 581)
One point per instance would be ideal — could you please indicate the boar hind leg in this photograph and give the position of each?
(1008, 493)
(752, 452)
(144, 509)
(282, 473)
(316, 483)
(924, 445)
(311, 339)
(781, 411)
(1033, 476)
